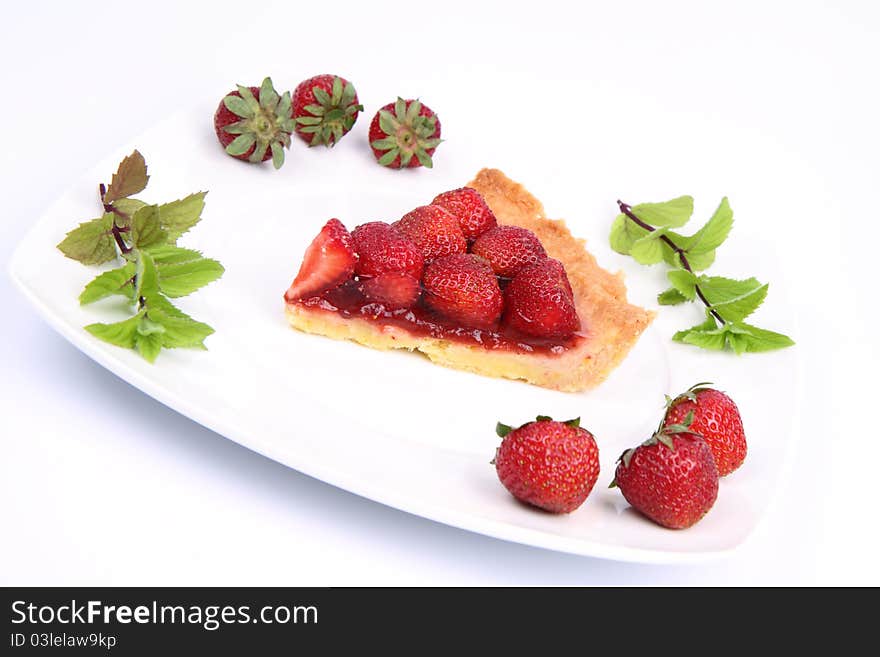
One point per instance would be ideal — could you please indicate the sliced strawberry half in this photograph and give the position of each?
(329, 261)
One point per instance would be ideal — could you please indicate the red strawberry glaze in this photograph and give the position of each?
(348, 300)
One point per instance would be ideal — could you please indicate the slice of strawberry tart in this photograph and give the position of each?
(479, 280)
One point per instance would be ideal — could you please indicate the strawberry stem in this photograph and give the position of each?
(682, 256)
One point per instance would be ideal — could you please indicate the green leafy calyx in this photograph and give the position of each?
(690, 394)
(264, 124)
(408, 134)
(331, 115)
(503, 429)
(663, 436)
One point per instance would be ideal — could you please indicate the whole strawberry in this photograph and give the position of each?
(325, 108)
(254, 124)
(405, 134)
(717, 419)
(548, 464)
(540, 302)
(468, 206)
(463, 287)
(434, 231)
(381, 249)
(395, 290)
(329, 261)
(671, 478)
(509, 249)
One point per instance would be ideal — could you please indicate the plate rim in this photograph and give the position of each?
(458, 519)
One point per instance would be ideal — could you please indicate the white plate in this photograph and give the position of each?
(391, 426)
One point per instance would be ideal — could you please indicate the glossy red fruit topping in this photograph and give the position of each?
(382, 248)
(463, 288)
(405, 134)
(434, 231)
(253, 124)
(468, 206)
(325, 108)
(716, 418)
(394, 290)
(509, 248)
(329, 261)
(540, 302)
(548, 464)
(671, 478)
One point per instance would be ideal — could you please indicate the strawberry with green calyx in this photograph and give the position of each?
(405, 134)
(255, 124)
(671, 478)
(715, 417)
(325, 108)
(548, 464)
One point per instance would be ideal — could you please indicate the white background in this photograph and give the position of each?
(100, 484)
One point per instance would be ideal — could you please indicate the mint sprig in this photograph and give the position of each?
(645, 232)
(152, 269)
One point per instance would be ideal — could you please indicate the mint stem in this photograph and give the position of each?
(627, 210)
(116, 230)
(117, 235)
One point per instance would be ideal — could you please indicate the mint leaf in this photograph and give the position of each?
(146, 276)
(645, 232)
(734, 300)
(670, 297)
(154, 266)
(737, 336)
(625, 233)
(127, 206)
(181, 330)
(148, 345)
(706, 335)
(713, 340)
(756, 340)
(713, 234)
(648, 250)
(115, 281)
(166, 254)
(146, 229)
(91, 243)
(179, 216)
(158, 303)
(684, 282)
(672, 214)
(147, 326)
(669, 254)
(130, 178)
(701, 261)
(180, 279)
(121, 334)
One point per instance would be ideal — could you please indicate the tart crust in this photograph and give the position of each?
(611, 324)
